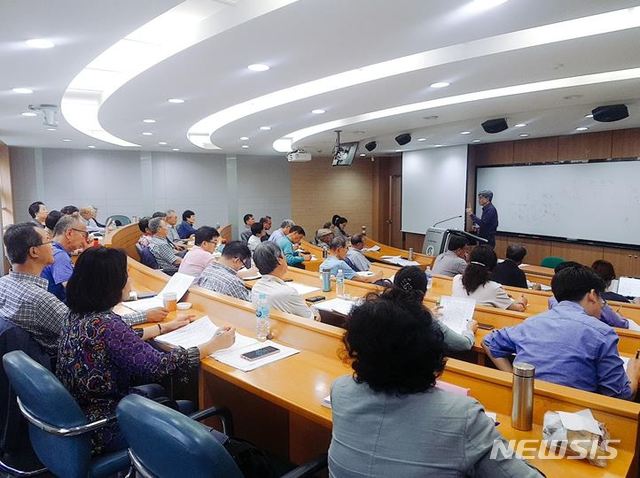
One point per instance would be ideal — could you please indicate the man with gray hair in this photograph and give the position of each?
(285, 226)
(172, 220)
(487, 225)
(165, 255)
(271, 263)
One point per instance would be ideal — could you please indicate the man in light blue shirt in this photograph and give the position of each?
(355, 257)
(568, 344)
(293, 257)
(285, 228)
(335, 261)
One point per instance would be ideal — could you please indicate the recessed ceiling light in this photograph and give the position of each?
(399, 150)
(148, 121)
(524, 135)
(465, 132)
(588, 116)
(475, 140)
(244, 138)
(318, 112)
(175, 100)
(520, 125)
(51, 129)
(29, 113)
(40, 43)
(422, 139)
(258, 67)
(362, 155)
(147, 133)
(23, 91)
(175, 149)
(162, 143)
(66, 140)
(439, 84)
(91, 146)
(265, 128)
(245, 146)
(582, 128)
(438, 145)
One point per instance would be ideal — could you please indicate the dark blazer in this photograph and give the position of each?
(488, 223)
(508, 273)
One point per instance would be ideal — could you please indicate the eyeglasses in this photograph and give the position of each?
(603, 302)
(44, 243)
(84, 233)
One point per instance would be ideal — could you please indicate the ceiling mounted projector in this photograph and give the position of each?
(371, 145)
(403, 139)
(494, 126)
(607, 114)
(298, 156)
(49, 113)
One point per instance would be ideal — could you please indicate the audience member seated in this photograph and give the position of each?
(278, 234)
(454, 260)
(413, 281)
(323, 238)
(355, 257)
(100, 357)
(86, 213)
(171, 218)
(248, 220)
(94, 217)
(389, 417)
(38, 212)
(165, 255)
(273, 266)
(335, 262)
(607, 273)
(266, 225)
(201, 254)
(221, 276)
(186, 228)
(52, 219)
(257, 234)
(293, 257)
(145, 239)
(338, 224)
(508, 271)
(69, 210)
(568, 344)
(69, 235)
(475, 283)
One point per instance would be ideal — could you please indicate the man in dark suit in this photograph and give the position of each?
(508, 271)
(487, 225)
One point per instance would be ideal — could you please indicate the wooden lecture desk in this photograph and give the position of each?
(422, 259)
(278, 406)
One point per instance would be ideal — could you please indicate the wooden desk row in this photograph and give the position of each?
(278, 406)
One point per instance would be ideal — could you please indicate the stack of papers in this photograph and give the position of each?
(179, 283)
(375, 248)
(399, 261)
(456, 312)
(579, 421)
(232, 355)
(365, 273)
(341, 306)
(303, 289)
(629, 287)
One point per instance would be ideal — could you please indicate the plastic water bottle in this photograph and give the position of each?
(262, 318)
(340, 283)
(429, 278)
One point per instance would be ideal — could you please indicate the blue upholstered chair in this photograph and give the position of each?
(551, 261)
(146, 257)
(57, 426)
(118, 219)
(164, 443)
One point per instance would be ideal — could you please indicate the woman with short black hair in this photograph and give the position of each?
(390, 418)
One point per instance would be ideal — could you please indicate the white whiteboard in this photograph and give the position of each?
(597, 201)
(434, 183)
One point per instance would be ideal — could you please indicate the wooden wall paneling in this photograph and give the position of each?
(494, 153)
(472, 153)
(5, 186)
(622, 260)
(585, 146)
(536, 249)
(582, 253)
(501, 246)
(413, 240)
(625, 143)
(537, 150)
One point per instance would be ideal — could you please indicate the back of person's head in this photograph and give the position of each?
(34, 208)
(18, 239)
(86, 211)
(565, 265)
(52, 219)
(412, 280)
(516, 252)
(236, 250)
(65, 223)
(574, 282)
(394, 345)
(605, 270)
(143, 224)
(456, 242)
(155, 224)
(266, 257)
(257, 228)
(69, 210)
(158, 214)
(287, 223)
(486, 194)
(265, 220)
(297, 230)
(357, 239)
(326, 225)
(187, 214)
(337, 243)
(247, 217)
(206, 233)
(339, 221)
(482, 261)
(97, 281)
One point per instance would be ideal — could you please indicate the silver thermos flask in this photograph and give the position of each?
(522, 407)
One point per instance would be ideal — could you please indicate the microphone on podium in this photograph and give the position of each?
(448, 219)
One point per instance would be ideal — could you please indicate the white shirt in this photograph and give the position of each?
(281, 296)
(253, 242)
(490, 294)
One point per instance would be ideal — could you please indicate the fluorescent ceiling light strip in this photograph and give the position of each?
(543, 35)
(179, 28)
(584, 80)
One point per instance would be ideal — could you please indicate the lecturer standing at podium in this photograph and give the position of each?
(488, 223)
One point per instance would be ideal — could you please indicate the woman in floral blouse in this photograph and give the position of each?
(100, 357)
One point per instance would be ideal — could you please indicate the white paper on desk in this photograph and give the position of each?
(142, 305)
(578, 421)
(375, 248)
(303, 289)
(629, 287)
(232, 356)
(521, 266)
(456, 312)
(341, 306)
(198, 332)
(399, 261)
(365, 273)
(625, 360)
(179, 283)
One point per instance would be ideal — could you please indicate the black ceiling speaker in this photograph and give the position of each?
(403, 139)
(495, 125)
(371, 145)
(607, 114)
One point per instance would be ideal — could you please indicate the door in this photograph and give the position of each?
(395, 211)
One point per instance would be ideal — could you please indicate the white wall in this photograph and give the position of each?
(139, 183)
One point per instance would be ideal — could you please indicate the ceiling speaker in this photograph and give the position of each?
(403, 139)
(495, 125)
(371, 145)
(607, 114)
